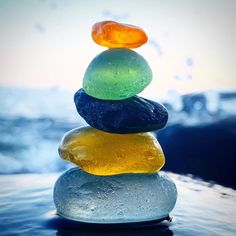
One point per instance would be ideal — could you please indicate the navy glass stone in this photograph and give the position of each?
(132, 115)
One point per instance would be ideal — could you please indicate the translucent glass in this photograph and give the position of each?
(114, 199)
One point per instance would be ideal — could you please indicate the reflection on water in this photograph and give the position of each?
(26, 208)
(69, 228)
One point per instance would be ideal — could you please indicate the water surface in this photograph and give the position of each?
(26, 208)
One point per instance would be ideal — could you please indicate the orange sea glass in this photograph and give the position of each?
(112, 34)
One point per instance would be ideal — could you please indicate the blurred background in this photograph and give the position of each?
(45, 48)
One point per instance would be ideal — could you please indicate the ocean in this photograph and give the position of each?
(199, 144)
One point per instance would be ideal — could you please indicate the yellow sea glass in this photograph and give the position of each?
(101, 153)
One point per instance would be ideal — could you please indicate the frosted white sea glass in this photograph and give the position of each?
(122, 198)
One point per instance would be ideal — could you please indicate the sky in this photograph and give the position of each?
(47, 43)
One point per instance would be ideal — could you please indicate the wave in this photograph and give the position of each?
(56, 103)
(32, 122)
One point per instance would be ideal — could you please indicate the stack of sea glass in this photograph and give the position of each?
(118, 159)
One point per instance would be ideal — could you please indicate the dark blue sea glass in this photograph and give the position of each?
(132, 115)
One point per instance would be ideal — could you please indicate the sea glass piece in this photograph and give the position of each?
(101, 153)
(131, 115)
(116, 74)
(112, 34)
(125, 198)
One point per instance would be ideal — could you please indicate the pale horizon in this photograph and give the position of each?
(47, 43)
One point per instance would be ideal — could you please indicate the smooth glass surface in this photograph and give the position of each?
(112, 34)
(101, 153)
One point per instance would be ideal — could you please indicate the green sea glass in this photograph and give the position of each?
(116, 74)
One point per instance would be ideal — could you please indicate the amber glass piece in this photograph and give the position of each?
(112, 34)
(101, 153)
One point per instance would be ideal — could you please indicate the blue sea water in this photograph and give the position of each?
(32, 122)
(199, 140)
